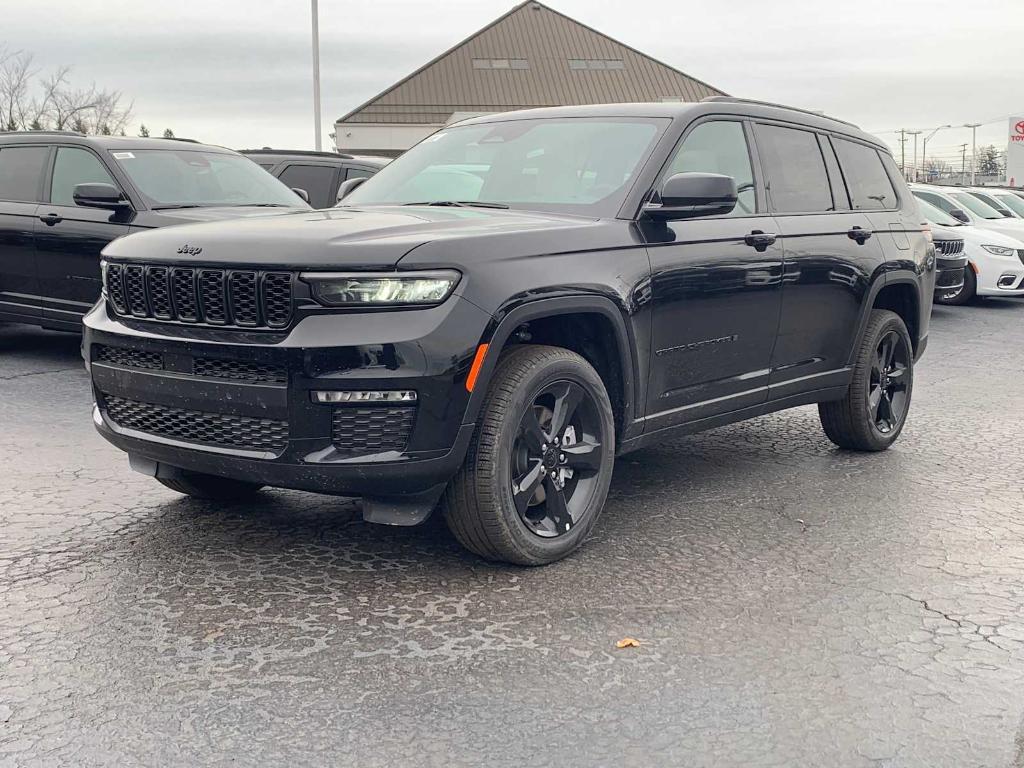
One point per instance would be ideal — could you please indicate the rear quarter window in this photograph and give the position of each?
(869, 185)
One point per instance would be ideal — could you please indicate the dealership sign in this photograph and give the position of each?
(1015, 153)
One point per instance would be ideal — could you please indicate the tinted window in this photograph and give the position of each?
(1012, 202)
(988, 200)
(317, 180)
(937, 200)
(21, 172)
(75, 166)
(358, 173)
(936, 215)
(794, 169)
(869, 184)
(719, 146)
(975, 206)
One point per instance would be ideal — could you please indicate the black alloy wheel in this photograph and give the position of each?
(556, 456)
(887, 393)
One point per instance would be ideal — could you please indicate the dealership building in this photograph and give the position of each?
(533, 56)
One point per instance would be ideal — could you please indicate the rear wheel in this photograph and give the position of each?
(963, 294)
(537, 472)
(202, 486)
(873, 413)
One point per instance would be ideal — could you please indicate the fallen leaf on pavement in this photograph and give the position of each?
(628, 642)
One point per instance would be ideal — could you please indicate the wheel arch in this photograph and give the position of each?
(899, 292)
(621, 360)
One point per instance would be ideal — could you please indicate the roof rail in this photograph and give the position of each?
(309, 152)
(736, 100)
(46, 133)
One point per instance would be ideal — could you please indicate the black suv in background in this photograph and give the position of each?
(64, 196)
(318, 173)
(498, 313)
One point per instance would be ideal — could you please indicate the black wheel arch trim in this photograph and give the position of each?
(500, 331)
(885, 280)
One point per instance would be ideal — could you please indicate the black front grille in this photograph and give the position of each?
(949, 247)
(240, 298)
(365, 431)
(239, 370)
(127, 358)
(216, 429)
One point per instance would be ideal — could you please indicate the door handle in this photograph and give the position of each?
(860, 235)
(50, 219)
(759, 240)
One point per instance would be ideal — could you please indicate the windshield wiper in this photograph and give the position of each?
(176, 207)
(461, 204)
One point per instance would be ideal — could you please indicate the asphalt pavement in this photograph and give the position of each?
(795, 605)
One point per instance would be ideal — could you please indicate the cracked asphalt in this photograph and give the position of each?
(795, 605)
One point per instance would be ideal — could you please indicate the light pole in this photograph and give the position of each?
(316, 75)
(915, 134)
(974, 148)
(924, 147)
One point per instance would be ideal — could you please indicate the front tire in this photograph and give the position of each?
(875, 408)
(209, 487)
(537, 472)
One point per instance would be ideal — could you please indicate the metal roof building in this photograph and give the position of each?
(533, 56)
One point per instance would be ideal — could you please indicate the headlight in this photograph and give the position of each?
(374, 289)
(1000, 250)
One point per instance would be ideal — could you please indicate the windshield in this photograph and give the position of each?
(1012, 202)
(197, 179)
(937, 215)
(975, 206)
(992, 202)
(571, 165)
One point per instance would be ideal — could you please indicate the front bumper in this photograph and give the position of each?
(949, 274)
(238, 404)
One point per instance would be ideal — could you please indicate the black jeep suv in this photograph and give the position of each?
(494, 316)
(319, 174)
(64, 196)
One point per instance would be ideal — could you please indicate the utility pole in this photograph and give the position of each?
(915, 134)
(903, 152)
(963, 163)
(974, 148)
(316, 75)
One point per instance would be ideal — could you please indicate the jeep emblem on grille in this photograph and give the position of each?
(191, 250)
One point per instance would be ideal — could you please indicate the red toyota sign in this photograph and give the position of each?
(1019, 128)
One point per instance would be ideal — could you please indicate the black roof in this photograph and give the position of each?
(108, 142)
(340, 158)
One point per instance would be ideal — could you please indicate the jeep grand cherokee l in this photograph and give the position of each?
(64, 196)
(493, 317)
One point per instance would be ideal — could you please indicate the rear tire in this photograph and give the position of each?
(210, 487)
(872, 414)
(968, 291)
(537, 472)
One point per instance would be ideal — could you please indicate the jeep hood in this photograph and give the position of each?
(374, 237)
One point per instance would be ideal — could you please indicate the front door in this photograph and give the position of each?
(69, 237)
(21, 180)
(715, 289)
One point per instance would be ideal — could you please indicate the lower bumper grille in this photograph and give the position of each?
(216, 429)
(127, 358)
(365, 431)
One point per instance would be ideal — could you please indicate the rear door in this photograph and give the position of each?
(831, 252)
(320, 181)
(22, 169)
(69, 238)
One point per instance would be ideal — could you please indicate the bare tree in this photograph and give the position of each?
(53, 102)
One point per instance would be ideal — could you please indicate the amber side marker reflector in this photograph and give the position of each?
(973, 266)
(474, 369)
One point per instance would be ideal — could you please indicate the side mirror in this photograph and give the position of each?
(348, 185)
(959, 215)
(301, 193)
(689, 195)
(99, 196)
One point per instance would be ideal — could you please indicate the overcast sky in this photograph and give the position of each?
(237, 72)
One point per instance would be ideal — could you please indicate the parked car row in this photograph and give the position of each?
(993, 234)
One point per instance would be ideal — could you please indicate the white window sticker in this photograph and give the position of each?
(123, 155)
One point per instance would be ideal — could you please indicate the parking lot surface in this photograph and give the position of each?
(795, 605)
